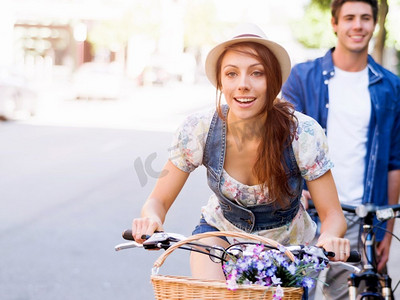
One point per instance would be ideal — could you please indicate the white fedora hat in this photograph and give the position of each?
(247, 32)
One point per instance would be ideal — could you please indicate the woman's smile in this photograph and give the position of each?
(245, 102)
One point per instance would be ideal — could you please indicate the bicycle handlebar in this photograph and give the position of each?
(161, 240)
(382, 213)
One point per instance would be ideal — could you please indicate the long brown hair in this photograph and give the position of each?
(279, 127)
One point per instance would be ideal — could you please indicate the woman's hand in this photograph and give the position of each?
(145, 226)
(339, 246)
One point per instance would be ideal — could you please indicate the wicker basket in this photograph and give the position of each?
(187, 288)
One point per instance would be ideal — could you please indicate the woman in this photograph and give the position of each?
(257, 151)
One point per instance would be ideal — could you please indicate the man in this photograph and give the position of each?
(357, 102)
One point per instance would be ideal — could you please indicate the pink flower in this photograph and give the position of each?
(231, 281)
(278, 293)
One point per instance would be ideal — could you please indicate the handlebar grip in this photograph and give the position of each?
(127, 235)
(355, 256)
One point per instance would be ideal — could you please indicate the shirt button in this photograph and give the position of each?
(324, 72)
(332, 73)
(327, 105)
(326, 81)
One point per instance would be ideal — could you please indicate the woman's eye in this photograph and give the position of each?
(231, 74)
(258, 73)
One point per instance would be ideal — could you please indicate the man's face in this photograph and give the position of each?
(355, 26)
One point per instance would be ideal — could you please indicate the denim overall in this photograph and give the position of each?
(252, 218)
(257, 217)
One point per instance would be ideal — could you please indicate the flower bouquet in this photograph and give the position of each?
(256, 264)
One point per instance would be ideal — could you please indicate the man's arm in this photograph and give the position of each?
(393, 191)
(393, 198)
(291, 90)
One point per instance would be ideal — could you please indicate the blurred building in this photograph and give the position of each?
(45, 33)
(43, 41)
(53, 32)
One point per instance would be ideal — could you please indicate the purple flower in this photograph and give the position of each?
(292, 269)
(279, 258)
(307, 282)
(276, 281)
(260, 265)
(271, 268)
(271, 271)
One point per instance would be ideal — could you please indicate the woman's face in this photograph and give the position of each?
(243, 83)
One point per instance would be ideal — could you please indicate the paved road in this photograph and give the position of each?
(66, 195)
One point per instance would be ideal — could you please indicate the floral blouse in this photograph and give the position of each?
(311, 152)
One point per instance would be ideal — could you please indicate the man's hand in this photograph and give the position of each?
(382, 251)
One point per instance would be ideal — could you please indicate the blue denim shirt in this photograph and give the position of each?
(307, 89)
(254, 218)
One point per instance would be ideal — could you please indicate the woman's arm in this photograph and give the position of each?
(167, 188)
(333, 224)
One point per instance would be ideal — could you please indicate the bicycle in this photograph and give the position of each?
(210, 289)
(377, 285)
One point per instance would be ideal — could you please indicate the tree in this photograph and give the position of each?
(381, 35)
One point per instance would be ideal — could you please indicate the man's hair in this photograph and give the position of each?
(336, 5)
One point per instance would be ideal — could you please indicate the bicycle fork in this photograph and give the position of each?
(378, 286)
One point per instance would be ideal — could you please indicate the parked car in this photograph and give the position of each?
(95, 80)
(17, 98)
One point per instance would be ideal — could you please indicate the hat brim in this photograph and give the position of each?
(279, 52)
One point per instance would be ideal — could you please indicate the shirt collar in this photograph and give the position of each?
(328, 70)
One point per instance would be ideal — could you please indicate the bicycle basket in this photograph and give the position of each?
(187, 288)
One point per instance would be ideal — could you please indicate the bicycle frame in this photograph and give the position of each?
(369, 274)
(377, 286)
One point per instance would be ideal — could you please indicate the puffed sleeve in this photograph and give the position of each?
(310, 147)
(186, 151)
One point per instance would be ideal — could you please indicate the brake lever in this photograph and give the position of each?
(318, 252)
(346, 266)
(161, 240)
(132, 244)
